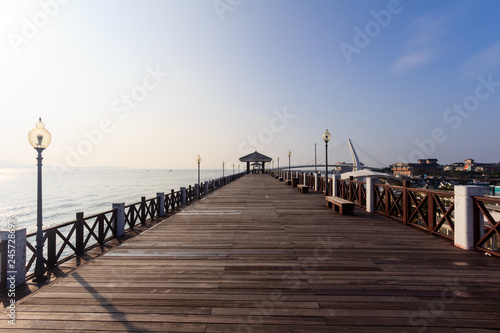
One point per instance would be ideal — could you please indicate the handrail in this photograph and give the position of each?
(67, 240)
(487, 225)
(432, 211)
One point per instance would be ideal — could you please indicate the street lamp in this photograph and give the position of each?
(238, 168)
(279, 167)
(233, 169)
(223, 163)
(39, 138)
(326, 137)
(289, 172)
(198, 160)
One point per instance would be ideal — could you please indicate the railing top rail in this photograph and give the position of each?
(355, 181)
(488, 199)
(393, 186)
(62, 225)
(437, 192)
(137, 203)
(96, 215)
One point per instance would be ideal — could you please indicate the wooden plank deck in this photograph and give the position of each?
(257, 256)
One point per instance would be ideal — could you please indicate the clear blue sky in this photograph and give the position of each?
(155, 83)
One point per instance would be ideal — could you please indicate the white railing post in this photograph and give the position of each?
(161, 203)
(464, 215)
(120, 218)
(183, 195)
(13, 263)
(370, 194)
(315, 181)
(335, 191)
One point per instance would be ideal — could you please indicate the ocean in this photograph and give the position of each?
(88, 190)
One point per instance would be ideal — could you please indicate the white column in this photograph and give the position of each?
(334, 187)
(370, 194)
(13, 263)
(464, 220)
(161, 203)
(305, 178)
(315, 181)
(120, 218)
(183, 195)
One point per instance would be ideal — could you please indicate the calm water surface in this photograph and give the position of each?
(88, 190)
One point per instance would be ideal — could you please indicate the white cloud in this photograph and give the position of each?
(482, 62)
(425, 45)
(407, 63)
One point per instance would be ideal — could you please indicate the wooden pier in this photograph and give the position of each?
(258, 256)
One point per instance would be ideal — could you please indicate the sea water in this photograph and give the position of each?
(88, 190)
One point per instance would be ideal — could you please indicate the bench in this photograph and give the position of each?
(280, 179)
(295, 182)
(288, 182)
(344, 207)
(303, 188)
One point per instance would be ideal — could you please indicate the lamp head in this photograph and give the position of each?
(289, 153)
(327, 136)
(39, 137)
(198, 159)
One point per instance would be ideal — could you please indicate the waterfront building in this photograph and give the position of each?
(423, 166)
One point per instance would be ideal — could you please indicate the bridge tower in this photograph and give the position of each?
(356, 165)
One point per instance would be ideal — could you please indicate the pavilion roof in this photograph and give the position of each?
(255, 157)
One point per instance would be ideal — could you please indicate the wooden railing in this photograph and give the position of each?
(430, 210)
(67, 240)
(487, 224)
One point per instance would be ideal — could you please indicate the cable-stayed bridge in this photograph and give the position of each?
(334, 154)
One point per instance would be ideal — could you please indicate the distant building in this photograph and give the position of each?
(470, 165)
(423, 166)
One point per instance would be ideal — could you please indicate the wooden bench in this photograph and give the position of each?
(280, 179)
(288, 182)
(303, 188)
(344, 207)
(295, 182)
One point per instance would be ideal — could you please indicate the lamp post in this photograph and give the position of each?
(198, 160)
(238, 168)
(326, 137)
(233, 169)
(223, 164)
(278, 166)
(40, 139)
(289, 172)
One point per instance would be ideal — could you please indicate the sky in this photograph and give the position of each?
(152, 84)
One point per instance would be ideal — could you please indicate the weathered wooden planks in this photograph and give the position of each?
(257, 256)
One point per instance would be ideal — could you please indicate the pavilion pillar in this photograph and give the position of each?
(248, 168)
